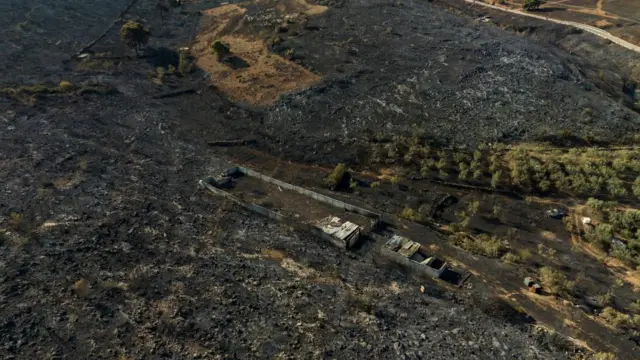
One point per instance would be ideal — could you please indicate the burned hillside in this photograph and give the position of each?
(109, 248)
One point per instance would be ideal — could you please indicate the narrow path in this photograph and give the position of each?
(592, 29)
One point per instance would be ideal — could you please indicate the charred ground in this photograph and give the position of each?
(101, 185)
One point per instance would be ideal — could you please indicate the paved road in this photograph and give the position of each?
(592, 29)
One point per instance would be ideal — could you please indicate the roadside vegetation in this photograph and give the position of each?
(614, 229)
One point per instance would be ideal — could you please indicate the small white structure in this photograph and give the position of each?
(586, 220)
(342, 233)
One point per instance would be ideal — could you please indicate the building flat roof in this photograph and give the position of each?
(337, 227)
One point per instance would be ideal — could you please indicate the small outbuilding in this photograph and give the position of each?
(342, 233)
(412, 255)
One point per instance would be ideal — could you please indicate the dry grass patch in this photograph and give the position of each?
(274, 254)
(267, 75)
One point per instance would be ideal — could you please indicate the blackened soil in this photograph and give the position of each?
(409, 66)
(104, 188)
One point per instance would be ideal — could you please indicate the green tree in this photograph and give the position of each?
(473, 207)
(601, 236)
(616, 187)
(336, 177)
(464, 171)
(134, 35)
(220, 49)
(477, 155)
(495, 179)
(636, 187)
(544, 185)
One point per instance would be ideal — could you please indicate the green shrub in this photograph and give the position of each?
(160, 71)
(473, 207)
(604, 299)
(464, 172)
(412, 215)
(546, 251)
(601, 236)
(599, 205)
(375, 184)
(489, 246)
(554, 281)
(625, 220)
(353, 184)
(459, 157)
(289, 53)
(603, 356)
(544, 185)
(15, 220)
(276, 40)
(524, 254)
(134, 35)
(510, 258)
(66, 86)
(477, 155)
(615, 186)
(569, 225)
(636, 187)
(496, 210)
(495, 179)
(185, 65)
(623, 254)
(463, 219)
(616, 318)
(335, 178)
(220, 49)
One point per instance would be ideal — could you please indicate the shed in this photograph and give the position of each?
(343, 233)
(412, 255)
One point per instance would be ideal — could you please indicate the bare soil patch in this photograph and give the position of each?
(266, 75)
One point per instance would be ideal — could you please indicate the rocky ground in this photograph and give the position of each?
(108, 248)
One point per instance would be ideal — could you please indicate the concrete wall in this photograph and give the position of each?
(314, 195)
(277, 216)
(411, 265)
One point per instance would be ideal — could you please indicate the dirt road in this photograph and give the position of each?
(592, 29)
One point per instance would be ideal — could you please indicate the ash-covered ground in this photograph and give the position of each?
(409, 66)
(108, 193)
(103, 187)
